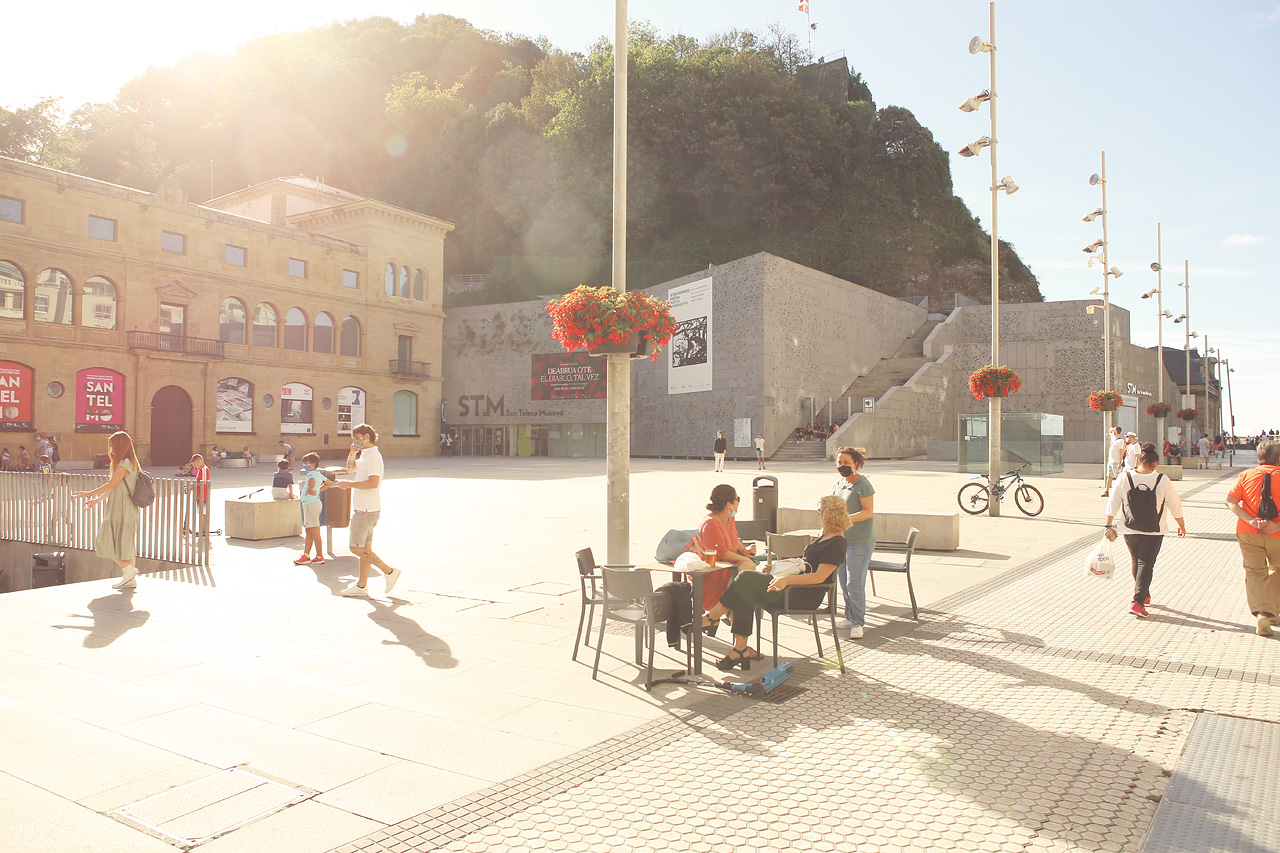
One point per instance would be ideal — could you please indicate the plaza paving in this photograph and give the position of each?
(1025, 711)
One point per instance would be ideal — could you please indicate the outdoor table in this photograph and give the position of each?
(695, 630)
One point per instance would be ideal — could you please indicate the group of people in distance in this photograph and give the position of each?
(46, 459)
(843, 548)
(812, 432)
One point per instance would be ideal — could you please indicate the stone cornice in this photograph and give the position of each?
(370, 209)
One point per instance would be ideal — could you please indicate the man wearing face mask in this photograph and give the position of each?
(365, 508)
(860, 537)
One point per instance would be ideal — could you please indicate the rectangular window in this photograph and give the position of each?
(297, 268)
(350, 278)
(10, 210)
(103, 312)
(42, 305)
(175, 243)
(236, 255)
(102, 229)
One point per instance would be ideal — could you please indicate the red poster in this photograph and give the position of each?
(99, 400)
(568, 376)
(17, 384)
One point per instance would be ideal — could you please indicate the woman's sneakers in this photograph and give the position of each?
(1138, 610)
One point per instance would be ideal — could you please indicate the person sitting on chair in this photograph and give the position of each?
(719, 534)
(750, 590)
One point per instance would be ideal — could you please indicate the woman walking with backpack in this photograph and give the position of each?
(1144, 500)
(117, 538)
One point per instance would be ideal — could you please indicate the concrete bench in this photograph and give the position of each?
(263, 519)
(1173, 472)
(233, 462)
(939, 531)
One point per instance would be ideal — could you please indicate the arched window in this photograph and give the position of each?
(389, 280)
(13, 289)
(53, 298)
(322, 337)
(404, 282)
(417, 285)
(295, 330)
(404, 413)
(231, 320)
(264, 326)
(98, 304)
(350, 343)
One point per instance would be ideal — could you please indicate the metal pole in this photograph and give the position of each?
(618, 465)
(1204, 375)
(1186, 286)
(1106, 314)
(1159, 339)
(994, 403)
(1230, 405)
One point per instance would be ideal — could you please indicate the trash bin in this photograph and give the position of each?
(335, 504)
(48, 569)
(764, 499)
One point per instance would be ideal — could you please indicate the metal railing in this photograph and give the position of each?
(38, 508)
(177, 343)
(411, 368)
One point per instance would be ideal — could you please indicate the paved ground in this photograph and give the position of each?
(1026, 711)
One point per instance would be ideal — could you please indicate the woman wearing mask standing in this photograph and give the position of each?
(117, 538)
(860, 537)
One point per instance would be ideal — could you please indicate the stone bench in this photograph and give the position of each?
(233, 462)
(939, 531)
(1173, 472)
(269, 519)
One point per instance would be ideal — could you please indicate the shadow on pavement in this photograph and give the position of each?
(112, 616)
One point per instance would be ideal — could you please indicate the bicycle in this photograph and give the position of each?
(974, 498)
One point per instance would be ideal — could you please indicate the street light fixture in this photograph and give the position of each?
(972, 149)
(1161, 314)
(1102, 247)
(1093, 247)
(972, 104)
(1089, 217)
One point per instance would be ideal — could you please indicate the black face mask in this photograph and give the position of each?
(845, 470)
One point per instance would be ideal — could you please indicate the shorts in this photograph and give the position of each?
(280, 493)
(361, 530)
(311, 514)
(1114, 469)
(759, 454)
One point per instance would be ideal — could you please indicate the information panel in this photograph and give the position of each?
(99, 400)
(568, 376)
(295, 409)
(689, 365)
(235, 405)
(351, 406)
(17, 382)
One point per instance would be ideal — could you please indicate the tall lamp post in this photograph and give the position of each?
(1231, 411)
(618, 464)
(1188, 399)
(1204, 375)
(1099, 250)
(976, 46)
(1158, 293)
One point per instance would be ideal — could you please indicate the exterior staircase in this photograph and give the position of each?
(798, 450)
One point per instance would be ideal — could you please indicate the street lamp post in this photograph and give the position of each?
(1158, 293)
(1102, 248)
(1231, 411)
(618, 464)
(976, 46)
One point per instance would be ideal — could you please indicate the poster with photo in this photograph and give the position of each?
(17, 383)
(351, 407)
(295, 409)
(99, 400)
(568, 376)
(235, 405)
(689, 364)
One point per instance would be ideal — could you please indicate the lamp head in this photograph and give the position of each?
(1179, 318)
(1150, 293)
(1095, 291)
(1093, 247)
(1007, 184)
(1089, 309)
(1165, 314)
(1115, 272)
(1089, 217)
(977, 45)
(971, 104)
(1094, 180)
(974, 147)
(1156, 268)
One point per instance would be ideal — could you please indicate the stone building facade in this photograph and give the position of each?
(285, 310)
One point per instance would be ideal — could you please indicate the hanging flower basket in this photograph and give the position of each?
(602, 320)
(1104, 401)
(1188, 414)
(991, 381)
(1159, 410)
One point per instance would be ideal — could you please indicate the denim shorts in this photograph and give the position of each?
(361, 530)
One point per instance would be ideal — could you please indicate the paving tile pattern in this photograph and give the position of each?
(1028, 713)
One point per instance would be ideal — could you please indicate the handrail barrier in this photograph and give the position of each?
(38, 508)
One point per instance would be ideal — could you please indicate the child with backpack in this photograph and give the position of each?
(1145, 500)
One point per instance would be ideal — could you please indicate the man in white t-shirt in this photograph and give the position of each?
(1115, 459)
(1131, 448)
(365, 507)
(760, 450)
(1204, 445)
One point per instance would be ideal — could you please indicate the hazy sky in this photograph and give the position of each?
(1181, 96)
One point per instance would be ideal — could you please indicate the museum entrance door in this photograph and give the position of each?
(170, 426)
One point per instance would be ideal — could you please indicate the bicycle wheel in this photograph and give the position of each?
(1029, 499)
(974, 498)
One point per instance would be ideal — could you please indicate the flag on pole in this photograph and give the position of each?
(804, 6)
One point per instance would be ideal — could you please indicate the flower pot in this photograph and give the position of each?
(629, 346)
(1107, 406)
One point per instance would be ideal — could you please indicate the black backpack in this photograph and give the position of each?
(1267, 505)
(1140, 511)
(143, 493)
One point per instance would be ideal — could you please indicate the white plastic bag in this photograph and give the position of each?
(1101, 563)
(690, 561)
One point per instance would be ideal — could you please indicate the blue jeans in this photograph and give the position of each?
(853, 581)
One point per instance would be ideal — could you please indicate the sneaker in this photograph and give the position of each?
(1146, 602)
(315, 561)
(843, 624)
(392, 579)
(303, 560)
(354, 591)
(855, 633)
(1138, 610)
(1264, 626)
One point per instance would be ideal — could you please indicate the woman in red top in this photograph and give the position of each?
(718, 533)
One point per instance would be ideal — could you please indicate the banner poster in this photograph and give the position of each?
(742, 432)
(17, 384)
(568, 376)
(295, 409)
(99, 400)
(689, 368)
(235, 405)
(351, 403)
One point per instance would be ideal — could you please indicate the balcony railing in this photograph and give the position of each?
(410, 368)
(177, 343)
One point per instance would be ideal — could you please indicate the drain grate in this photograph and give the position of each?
(200, 811)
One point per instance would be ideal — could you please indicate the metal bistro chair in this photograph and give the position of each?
(783, 546)
(629, 597)
(904, 568)
(754, 531)
(592, 594)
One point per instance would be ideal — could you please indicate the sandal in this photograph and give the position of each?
(751, 654)
(710, 629)
(728, 662)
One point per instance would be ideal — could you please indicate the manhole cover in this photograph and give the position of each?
(207, 808)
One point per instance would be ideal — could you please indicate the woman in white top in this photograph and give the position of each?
(1144, 500)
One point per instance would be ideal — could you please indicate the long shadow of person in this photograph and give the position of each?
(112, 616)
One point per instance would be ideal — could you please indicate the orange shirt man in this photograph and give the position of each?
(1259, 538)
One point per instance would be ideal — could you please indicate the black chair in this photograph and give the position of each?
(904, 568)
(629, 597)
(827, 608)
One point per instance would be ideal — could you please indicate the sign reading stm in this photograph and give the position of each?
(481, 405)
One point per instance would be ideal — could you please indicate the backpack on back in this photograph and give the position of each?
(1141, 513)
(1267, 505)
(143, 493)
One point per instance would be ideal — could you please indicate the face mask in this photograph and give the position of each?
(845, 470)
(306, 468)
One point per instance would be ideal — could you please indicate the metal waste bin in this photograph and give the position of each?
(764, 500)
(335, 504)
(48, 569)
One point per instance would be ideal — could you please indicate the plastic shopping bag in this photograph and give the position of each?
(689, 561)
(1100, 563)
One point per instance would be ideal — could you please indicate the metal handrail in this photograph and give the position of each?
(411, 368)
(176, 343)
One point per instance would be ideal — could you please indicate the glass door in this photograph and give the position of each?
(172, 326)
